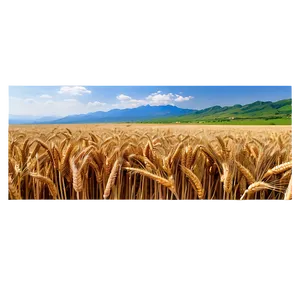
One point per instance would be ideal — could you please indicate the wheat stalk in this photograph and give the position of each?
(48, 182)
(165, 182)
(288, 193)
(14, 193)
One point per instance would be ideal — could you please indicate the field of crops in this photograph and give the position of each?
(149, 162)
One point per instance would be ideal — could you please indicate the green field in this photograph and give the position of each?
(232, 122)
(257, 113)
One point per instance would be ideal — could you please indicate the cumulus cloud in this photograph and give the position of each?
(160, 99)
(74, 90)
(154, 99)
(181, 99)
(123, 97)
(128, 102)
(45, 96)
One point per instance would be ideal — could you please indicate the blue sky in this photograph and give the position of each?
(66, 100)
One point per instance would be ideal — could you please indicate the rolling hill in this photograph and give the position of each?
(258, 112)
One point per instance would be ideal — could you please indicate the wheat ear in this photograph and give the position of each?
(48, 181)
(112, 177)
(278, 169)
(77, 179)
(165, 182)
(195, 180)
(249, 177)
(256, 187)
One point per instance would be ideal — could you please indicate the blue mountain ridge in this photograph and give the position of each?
(140, 113)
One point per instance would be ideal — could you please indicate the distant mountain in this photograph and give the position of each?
(16, 119)
(141, 113)
(258, 110)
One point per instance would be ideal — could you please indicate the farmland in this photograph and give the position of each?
(149, 161)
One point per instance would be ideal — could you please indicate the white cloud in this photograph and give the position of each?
(123, 97)
(138, 101)
(74, 90)
(43, 106)
(45, 96)
(160, 99)
(181, 99)
(128, 102)
(154, 99)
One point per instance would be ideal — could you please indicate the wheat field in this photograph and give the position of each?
(133, 161)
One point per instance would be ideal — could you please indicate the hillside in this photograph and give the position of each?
(258, 112)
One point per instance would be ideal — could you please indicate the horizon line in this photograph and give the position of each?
(63, 116)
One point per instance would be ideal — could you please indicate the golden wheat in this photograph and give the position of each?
(48, 182)
(14, 193)
(149, 162)
(279, 169)
(197, 185)
(112, 177)
(247, 174)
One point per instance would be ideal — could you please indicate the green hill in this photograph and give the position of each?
(256, 113)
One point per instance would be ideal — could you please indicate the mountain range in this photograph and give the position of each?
(258, 112)
(279, 110)
(138, 114)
